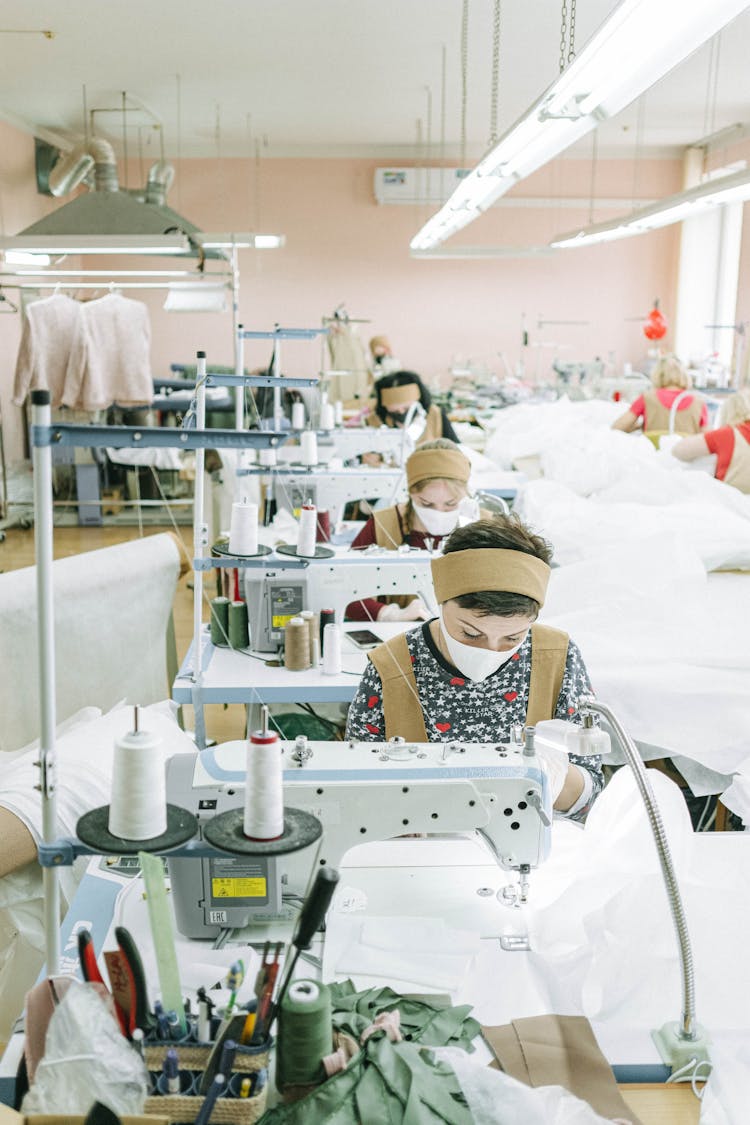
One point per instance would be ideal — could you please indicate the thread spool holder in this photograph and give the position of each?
(45, 435)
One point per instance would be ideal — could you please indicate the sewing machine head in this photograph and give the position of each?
(282, 588)
(361, 792)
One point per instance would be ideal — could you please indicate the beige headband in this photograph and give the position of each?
(400, 396)
(437, 464)
(488, 568)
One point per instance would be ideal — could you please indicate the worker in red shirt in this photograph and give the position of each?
(730, 442)
(650, 412)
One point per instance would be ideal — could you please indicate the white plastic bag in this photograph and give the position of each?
(727, 1093)
(86, 1059)
(495, 1098)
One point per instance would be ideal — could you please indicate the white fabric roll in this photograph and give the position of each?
(308, 447)
(308, 525)
(243, 531)
(331, 650)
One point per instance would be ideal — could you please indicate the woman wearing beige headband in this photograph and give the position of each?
(482, 666)
(382, 359)
(730, 443)
(397, 394)
(650, 411)
(437, 479)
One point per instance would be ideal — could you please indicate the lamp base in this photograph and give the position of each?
(678, 1052)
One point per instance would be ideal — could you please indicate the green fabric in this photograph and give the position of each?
(388, 1083)
(291, 723)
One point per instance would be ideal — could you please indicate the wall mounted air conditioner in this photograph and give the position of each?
(416, 185)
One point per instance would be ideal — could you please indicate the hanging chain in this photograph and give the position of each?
(464, 75)
(563, 34)
(495, 84)
(572, 33)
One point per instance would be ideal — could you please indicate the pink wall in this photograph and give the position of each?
(343, 247)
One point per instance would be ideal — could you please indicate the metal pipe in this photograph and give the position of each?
(200, 531)
(42, 461)
(687, 1027)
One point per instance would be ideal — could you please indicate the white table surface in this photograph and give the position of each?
(235, 677)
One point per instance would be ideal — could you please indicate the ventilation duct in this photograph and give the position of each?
(108, 210)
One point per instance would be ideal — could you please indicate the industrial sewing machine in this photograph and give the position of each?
(332, 489)
(279, 589)
(348, 442)
(360, 791)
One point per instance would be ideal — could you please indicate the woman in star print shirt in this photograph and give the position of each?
(470, 671)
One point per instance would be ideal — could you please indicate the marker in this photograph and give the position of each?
(228, 1051)
(162, 1024)
(173, 1025)
(245, 1088)
(216, 1087)
(171, 1068)
(204, 1022)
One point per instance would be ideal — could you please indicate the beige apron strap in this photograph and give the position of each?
(549, 651)
(388, 531)
(403, 714)
(433, 425)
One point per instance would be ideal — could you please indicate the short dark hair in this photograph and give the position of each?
(505, 533)
(400, 379)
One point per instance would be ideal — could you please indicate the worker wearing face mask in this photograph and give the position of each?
(483, 665)
(402, 398)
(437, 479)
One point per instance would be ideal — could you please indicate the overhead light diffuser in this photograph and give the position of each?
(640, 42)
(672, 209)
(24, 258)
(246, 241)
(56, 244)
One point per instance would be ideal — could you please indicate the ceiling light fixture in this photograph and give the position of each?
(57, 244)
(23, 258)
(246, 241)
(672, 209)
(640, 42)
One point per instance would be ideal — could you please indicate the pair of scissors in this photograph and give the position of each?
(126, 975)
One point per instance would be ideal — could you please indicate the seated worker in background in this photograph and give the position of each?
(730, 442)
(437, 479)
(382, 361)
(650, 411)
(396, 394)
(483, 665)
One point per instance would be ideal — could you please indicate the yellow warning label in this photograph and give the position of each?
(279, 620)
(238, 888)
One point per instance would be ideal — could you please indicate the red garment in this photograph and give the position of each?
(721, 442)
(666, 396)
(369, 608)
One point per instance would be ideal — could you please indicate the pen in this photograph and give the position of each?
(173, 1025)
(205, 1111)
(245, 1088)
(136, 1039)
(235, 977)
(171, 1068)
(247, 1031)
(228, 1051)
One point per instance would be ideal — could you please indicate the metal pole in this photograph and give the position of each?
(200, 530)
(239, 393)
(277, 388)
(42, 460)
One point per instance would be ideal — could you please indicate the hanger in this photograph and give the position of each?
(6, 305)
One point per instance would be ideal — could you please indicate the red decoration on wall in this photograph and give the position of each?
(656, 326)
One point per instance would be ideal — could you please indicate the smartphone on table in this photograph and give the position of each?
(364, 638)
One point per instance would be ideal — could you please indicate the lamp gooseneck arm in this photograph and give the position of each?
(687, 1023)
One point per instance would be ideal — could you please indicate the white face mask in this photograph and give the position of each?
(437, 523)
(475, 663)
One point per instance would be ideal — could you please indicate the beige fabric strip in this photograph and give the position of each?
(399, 396)
(487, 568)
(432, 464)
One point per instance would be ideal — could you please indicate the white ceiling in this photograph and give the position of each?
(327, 77)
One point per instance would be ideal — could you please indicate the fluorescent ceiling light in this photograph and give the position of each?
(98, 244)
(640, 42)
(24, 258)
(196, 296)
(460, 252)
(246, 241)
(672, 209)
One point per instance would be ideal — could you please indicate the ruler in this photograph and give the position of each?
(162, 932)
